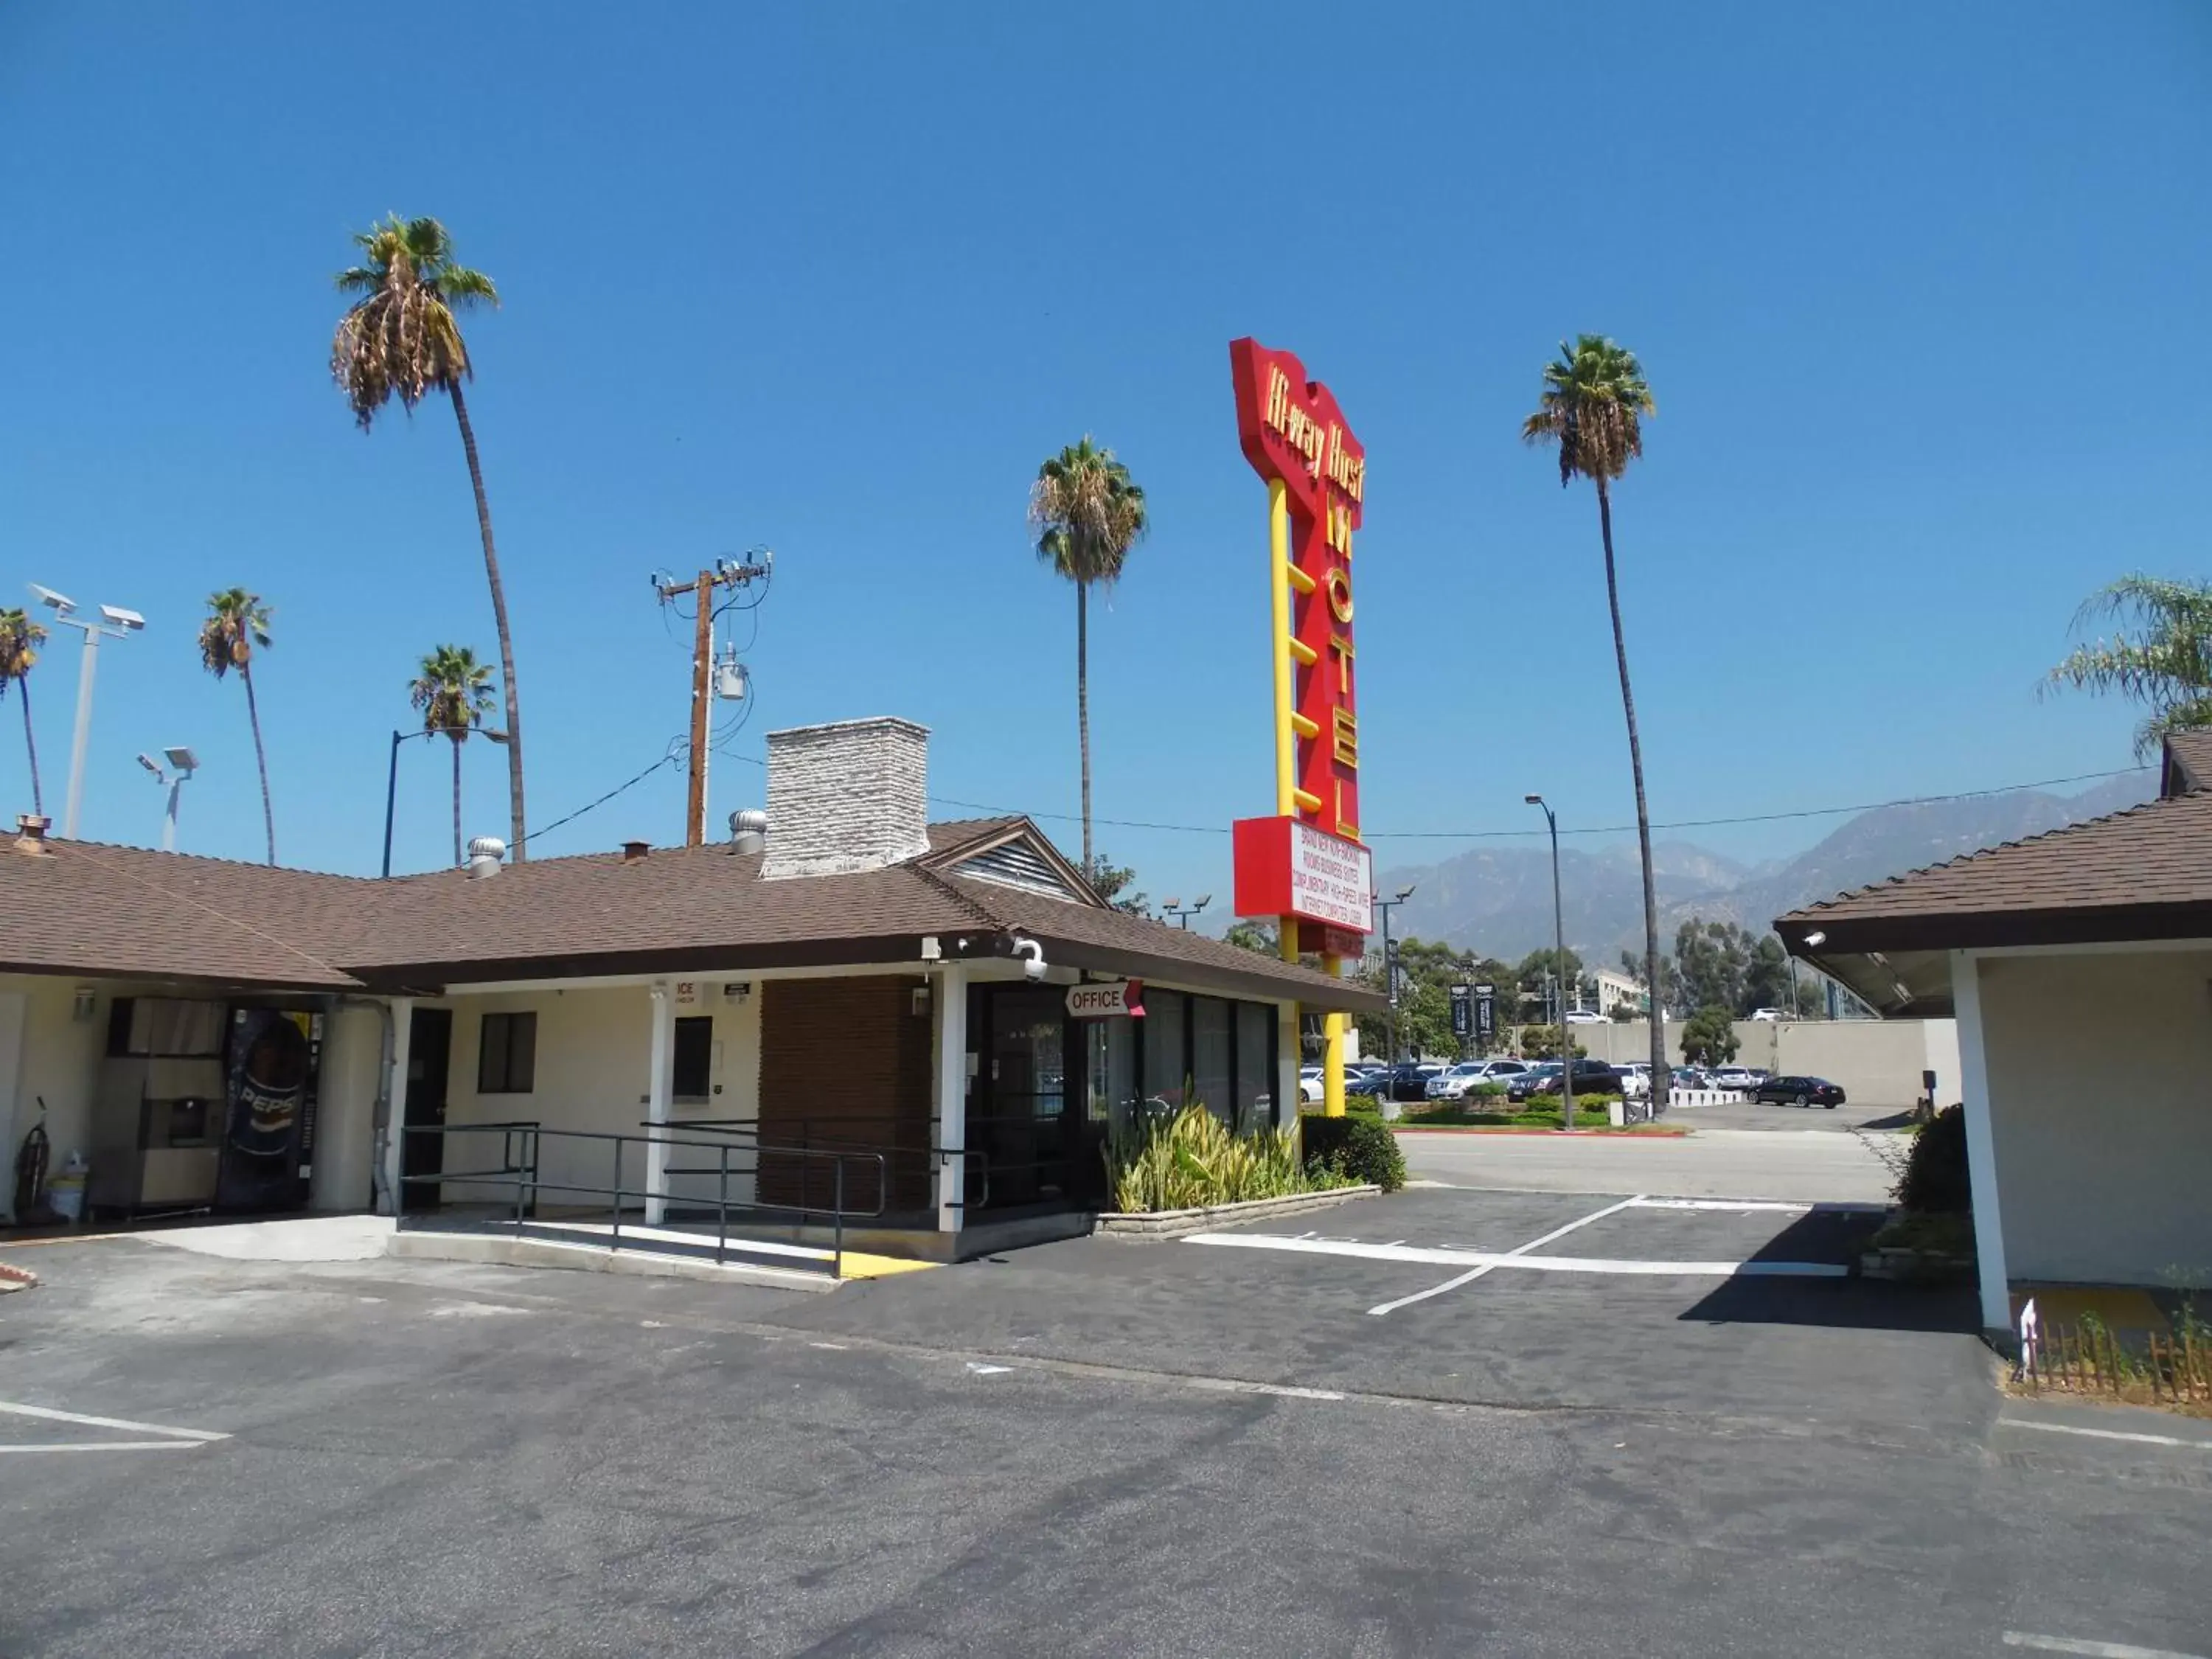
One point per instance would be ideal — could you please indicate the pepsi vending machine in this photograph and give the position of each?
(272, 1068)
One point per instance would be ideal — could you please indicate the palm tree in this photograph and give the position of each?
(1087, 512)
(238, 624)
(2161, 656)
(1593, 406)
(20, 640)
(454, 691)
(401, 338)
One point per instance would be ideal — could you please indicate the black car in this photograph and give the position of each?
(1798, 1091)
(1409, 1081)
(1592, 1077)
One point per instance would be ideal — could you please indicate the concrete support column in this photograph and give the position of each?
(1981, 1146)
(659, 1083)
(394, 1090)
(949, 996)
(1287, 1097)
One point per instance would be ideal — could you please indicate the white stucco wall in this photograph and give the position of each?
(58, 1058)
(594, 1073)
(345, 1114)
(2100, 1106)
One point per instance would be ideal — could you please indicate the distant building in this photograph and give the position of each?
(1610, 989)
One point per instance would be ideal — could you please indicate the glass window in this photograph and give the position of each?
(1110, 1050)
(694, 1058)
(1163, 1058)
(1255, 1064)
(1210, 1056)
(506, 1057)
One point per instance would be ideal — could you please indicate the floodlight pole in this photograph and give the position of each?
(1559, 974)
(81, 740)
(169, 817)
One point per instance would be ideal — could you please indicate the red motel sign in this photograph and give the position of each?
(1296, 436)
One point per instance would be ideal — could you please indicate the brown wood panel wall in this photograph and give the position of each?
(844, 1062)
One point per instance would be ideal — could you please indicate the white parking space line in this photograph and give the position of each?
(2021, 1638)
(2104, 1434)
(1473, 1274)
(49, 1414)
(111, 1445)
(1568, 1264)
(1747, 1206)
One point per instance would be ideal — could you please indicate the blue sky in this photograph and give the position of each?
(835, 279)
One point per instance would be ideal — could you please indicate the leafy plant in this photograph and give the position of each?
(1362, 1149)
(1188, 1159)
(1936, 1182)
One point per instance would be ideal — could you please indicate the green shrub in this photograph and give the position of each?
(1361, 1148)
(1935, 1181)
(1189, 1160)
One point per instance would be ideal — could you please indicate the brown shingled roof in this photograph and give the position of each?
(84, 908)
(2143, 873)
(2188, 763)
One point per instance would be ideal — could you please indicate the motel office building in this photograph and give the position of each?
(238, 1038)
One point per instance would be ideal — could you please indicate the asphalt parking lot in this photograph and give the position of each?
(1103, 1446)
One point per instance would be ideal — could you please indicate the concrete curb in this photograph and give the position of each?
(1166, 1224)
(594, 1259)
(15, 1279)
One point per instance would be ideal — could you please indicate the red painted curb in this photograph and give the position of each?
(1661, 1134)
(16, 1278)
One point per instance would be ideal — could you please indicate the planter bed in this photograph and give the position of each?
(1165, 1224)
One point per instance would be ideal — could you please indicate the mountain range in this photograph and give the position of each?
(1497, 901)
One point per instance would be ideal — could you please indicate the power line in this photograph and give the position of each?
(678, 748)
(1588, 829)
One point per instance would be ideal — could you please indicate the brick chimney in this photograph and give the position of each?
(846, 797)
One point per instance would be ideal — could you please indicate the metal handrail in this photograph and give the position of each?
(520, 1144)
(971, 1157)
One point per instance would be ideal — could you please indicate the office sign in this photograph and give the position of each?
(1107, 999)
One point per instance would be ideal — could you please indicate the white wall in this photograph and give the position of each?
(2101, 1107)
(58, 1058)
(345, 1114)
(1877, 1062)
(594, 1073)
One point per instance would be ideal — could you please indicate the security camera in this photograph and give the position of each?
(1033, 968)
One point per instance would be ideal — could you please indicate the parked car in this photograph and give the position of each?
(1635, 1079)
(1798, 1091)
(1365, 1085)
(1767, 1013)
(1471, 1074)
(1734, 1077)
(1689, 1077)
(1310, 1084)
(1410, 1081)
(1586, 1016)
(1592, 1077)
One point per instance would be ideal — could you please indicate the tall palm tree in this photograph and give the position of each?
(237, 626)
(1593, 406)
(454, 691)
(20, 640)
(1087, 513)
(402, 337)
(2159, 656)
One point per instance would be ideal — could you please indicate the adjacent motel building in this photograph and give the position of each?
(2078, 964)
(952, 997)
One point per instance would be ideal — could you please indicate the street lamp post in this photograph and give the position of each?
(184, 763)
(391, 786)
(1182, 914)
(1389, 972)
(115, 623)
(1558, 968)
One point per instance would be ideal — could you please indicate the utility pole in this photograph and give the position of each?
(726, 573)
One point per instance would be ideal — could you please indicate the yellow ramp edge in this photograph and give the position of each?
(857, 1264)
